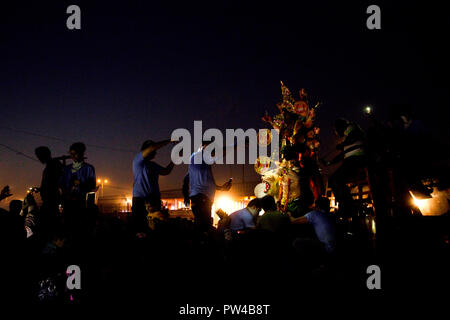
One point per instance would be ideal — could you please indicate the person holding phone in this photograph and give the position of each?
(200, 188)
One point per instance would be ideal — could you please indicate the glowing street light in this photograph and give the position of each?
(102, 183)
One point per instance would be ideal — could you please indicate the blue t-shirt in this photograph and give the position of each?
(241, 219)
(201, 180)
(86, 177)
(324, 228)
(146, 175)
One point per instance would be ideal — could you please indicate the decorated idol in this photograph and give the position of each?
(295, 181)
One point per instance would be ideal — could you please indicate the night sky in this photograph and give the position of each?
(138, 70)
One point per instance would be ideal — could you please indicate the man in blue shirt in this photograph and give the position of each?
(245, 218)
(78, 177)
(146, 193)
(322, 223)
(77, 180)
(200, 188)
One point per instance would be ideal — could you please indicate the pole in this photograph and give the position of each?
(243, 179)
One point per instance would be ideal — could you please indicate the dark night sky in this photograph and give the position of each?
(139, 70)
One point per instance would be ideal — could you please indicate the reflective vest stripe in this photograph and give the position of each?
(354, 149)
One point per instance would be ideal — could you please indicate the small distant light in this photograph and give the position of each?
(368, 109)
(106, 181)
(98, 180)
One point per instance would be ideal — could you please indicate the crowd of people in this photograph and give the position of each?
(66, 227)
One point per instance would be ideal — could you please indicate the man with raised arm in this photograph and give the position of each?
(146, 193)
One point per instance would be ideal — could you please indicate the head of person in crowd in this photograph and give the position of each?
(254, 207)
(268, 204)
(11, 231)
(323, 204)
(15, 206)
(43, 153)
(340, 125)
(77, 151)
(147, 144)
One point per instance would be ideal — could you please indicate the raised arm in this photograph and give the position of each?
(226, 186)
(5, 193)
(154, 147)
(167, 170)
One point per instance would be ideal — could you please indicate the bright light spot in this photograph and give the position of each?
(437, 205)
(106, 181)
(228, 205)
(368, 109)
(225, 203)
(420, 203)
(98, 180)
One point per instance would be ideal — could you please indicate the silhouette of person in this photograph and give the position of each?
(49, 189)
(77, 181)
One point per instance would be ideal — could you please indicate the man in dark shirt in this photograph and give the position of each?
(352, 155)
(49, 188)
(272, 220)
